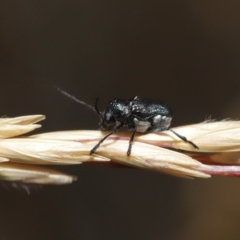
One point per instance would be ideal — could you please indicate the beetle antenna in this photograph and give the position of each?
(97, 110)
(77, 100)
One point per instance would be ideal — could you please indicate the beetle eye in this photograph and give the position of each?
(107, 122)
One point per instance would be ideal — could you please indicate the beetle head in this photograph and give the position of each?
(116, 113)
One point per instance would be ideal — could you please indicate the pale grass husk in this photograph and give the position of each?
(221, 136)
(220, 140)
(11, 127)
(46, 151)
(10, 171)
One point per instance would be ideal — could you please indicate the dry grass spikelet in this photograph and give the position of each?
(218, 143)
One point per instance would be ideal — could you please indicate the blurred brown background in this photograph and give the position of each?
(184, 52)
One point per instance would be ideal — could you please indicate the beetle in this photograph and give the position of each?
(137, 114)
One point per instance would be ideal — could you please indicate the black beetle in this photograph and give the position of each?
(138, 115)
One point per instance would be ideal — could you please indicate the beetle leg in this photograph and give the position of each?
(116, 128)
(184, 139)
(131, 141)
